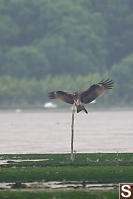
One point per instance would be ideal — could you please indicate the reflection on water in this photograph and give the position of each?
(50, 132)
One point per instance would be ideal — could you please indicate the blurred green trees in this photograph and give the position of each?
(63, 37)
(64, 44)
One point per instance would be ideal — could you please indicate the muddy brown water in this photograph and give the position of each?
(50, 131)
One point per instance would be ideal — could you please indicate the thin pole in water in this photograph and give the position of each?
(72, 131)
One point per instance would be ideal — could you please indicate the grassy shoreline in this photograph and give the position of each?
(80, 159)
(91, 174)
(59, 194)
(91, 167)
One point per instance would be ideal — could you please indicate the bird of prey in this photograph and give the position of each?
(83, 97)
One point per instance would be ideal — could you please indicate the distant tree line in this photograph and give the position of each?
(25, 92)
(64, 44)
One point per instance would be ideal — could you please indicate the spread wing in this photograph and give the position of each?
(95, 91)
(62, 96)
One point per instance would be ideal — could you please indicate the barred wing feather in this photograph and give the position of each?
(62, 96)
(95, 91)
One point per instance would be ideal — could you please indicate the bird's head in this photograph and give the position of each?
(75, 95)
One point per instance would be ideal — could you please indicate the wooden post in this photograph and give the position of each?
(72, 132)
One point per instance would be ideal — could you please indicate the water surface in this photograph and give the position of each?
(50, 131)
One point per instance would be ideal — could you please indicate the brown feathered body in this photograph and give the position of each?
(83, 97)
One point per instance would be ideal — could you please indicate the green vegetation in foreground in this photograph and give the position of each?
(59, 195)
(91, 167)
(81, 159)
(102, 174)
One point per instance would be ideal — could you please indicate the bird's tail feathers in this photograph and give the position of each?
(81, 108)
